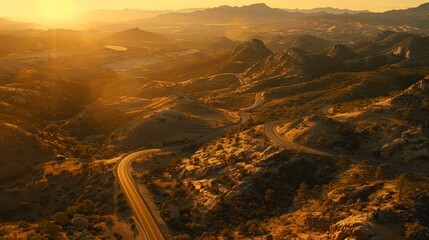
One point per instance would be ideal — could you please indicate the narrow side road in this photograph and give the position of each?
(146, 221)
(270, 131)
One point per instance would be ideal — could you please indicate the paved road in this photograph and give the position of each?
(146, 221)
(142, 213)
(270, 131)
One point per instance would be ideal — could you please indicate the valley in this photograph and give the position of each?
(248, 122)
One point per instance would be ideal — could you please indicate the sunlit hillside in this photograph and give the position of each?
(200, 120)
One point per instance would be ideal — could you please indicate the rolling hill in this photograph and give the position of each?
(135, 36)
(10, 25)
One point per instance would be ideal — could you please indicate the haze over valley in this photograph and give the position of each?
(227, 122)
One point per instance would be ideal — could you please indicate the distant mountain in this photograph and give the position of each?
(400, 44)
(416, 17)
(22, 33)
(304, 41)
(341, 52)
(292, 63)
(8, 25)
(242, 57)
(328, 10)
(109, 15)
(256, 13)
(106, 15)
(253, 50)
(135, 35)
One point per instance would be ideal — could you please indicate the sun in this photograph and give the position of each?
(55, 9)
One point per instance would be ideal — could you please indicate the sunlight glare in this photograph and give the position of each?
(56, 9)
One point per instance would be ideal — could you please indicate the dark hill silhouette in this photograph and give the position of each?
(341, 52)
(136, 35)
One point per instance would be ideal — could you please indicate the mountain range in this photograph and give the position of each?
(329, 10)
(251, 14)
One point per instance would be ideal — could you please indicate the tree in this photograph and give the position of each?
(302, 195)
(60, 218)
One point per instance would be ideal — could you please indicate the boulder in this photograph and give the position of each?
(204, 172)
(353, 193)
(353, 227)
(80, 222)
(84, 235)
(388, 148)
(316, 220)
(390, 216)
(412, 145)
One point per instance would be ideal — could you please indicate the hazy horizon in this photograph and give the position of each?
(226, 120)
(54, 10)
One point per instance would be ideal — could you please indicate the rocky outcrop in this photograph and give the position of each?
(353, 194)
(412, 145)
(80, 222)
(354, 227)
(82, 235)
(421, 87)
(291, 63)
(383, 216)
(204, 172)
(253, 50)
(316, 220)
(341, 52)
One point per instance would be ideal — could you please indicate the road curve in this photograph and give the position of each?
(270, 131)
(146, 220)
(142, 213)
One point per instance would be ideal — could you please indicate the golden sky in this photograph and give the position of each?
(52, 9)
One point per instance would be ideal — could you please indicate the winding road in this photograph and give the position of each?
(146, 221)
(270, 131)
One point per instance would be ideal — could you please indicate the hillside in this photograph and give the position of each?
(20, 150)
(289, 64)
(221, 123)
(242, 57)
(388, 129)
(8, 25)
(419, 15)
(135, 122)
(166, 122)
(397, 43)
(341, 52)
(329, 10)
(135, 36)
(256, 13)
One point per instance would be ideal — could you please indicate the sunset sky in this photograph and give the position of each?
(37, 9)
